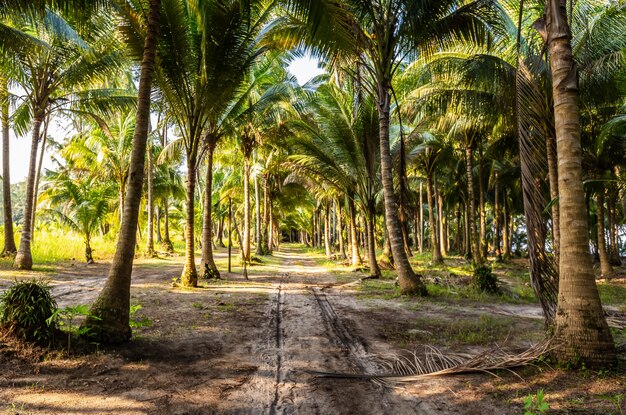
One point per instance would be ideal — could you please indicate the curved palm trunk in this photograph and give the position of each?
(410, 283)
(354, 243)
(473, 233)
(434, 243)
(9, 238)
(606, 269)
(24, 259)
(109, 319)
(157, 215)
(189, 276)
(208, 263)
(581, 329)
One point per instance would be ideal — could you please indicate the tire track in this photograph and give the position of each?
(351, 344)
(279, 338)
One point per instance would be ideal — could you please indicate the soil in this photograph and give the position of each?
(253, 346)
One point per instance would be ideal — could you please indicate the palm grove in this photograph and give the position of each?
(476, 128)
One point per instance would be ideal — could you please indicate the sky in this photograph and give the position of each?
(303, 68)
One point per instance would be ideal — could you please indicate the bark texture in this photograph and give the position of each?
(9, 237)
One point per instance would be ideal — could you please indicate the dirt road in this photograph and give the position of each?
(235, 346)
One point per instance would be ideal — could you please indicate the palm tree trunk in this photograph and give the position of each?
(44, 139)
(208, 264)
(481, 203)
(88, 250)
(581, 329)
(371, 239)
(257, 208)
(441, 221)
(496, 221)
(474, 237)
(420, 210)
(342, 248)
(167, 242)
(606, 269)
(150, 242)
(613, 231)
(410, 283)
(354, 243)
(506, 246)
(157, 214)
(327, 229)
(9, 238)
(109, 319)
(246, 207)
(432, 221)
(189, 276)
(24, 259)
(265, 235)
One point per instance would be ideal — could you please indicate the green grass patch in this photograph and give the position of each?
(612, 293)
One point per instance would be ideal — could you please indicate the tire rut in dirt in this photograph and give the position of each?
(280, 340)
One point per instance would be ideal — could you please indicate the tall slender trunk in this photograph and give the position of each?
(209, 269)
(354, 243)
(441, 221)
(410, 283)
(257, 222)
(270, 231)
(606, 269)
(327, 229)
(220, 233)
(481, 203)
(506, 247)
(342, 248)
(246, 207)
(420, 209)
(581, 329)
(24, 259)
(265, 235)
(167, 242)
(189, 276)
(42, 149)
(157, 214)
(496, 220)
(9, 238)
(150, 238)
(613, 231)
(371, 239)
(432, 221)
(109, 320)
(554, 194)
(474, 237)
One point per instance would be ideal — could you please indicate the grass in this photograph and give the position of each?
(451, 332)
(611, 293)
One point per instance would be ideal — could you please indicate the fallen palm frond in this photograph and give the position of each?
(403, 369)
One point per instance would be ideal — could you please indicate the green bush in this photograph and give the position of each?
(25, 309)
(485, 280)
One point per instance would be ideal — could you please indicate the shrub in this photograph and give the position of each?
(24, 310)
(485, 280)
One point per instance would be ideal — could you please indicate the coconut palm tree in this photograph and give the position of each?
(581, 329)
(78, 203)
(110, 313)
(9, 238)
(58, 73)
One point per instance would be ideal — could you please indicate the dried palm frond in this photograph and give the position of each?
(404, 369)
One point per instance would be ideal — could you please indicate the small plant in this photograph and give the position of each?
(65, 316)
(485, 280)
(25, 309)
(535, 404)
(137, 322)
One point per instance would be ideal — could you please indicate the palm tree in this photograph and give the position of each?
(80, 204)
(61, 69)
(110, 313)
(581, 329)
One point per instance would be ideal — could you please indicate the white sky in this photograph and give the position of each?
(303, 68)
